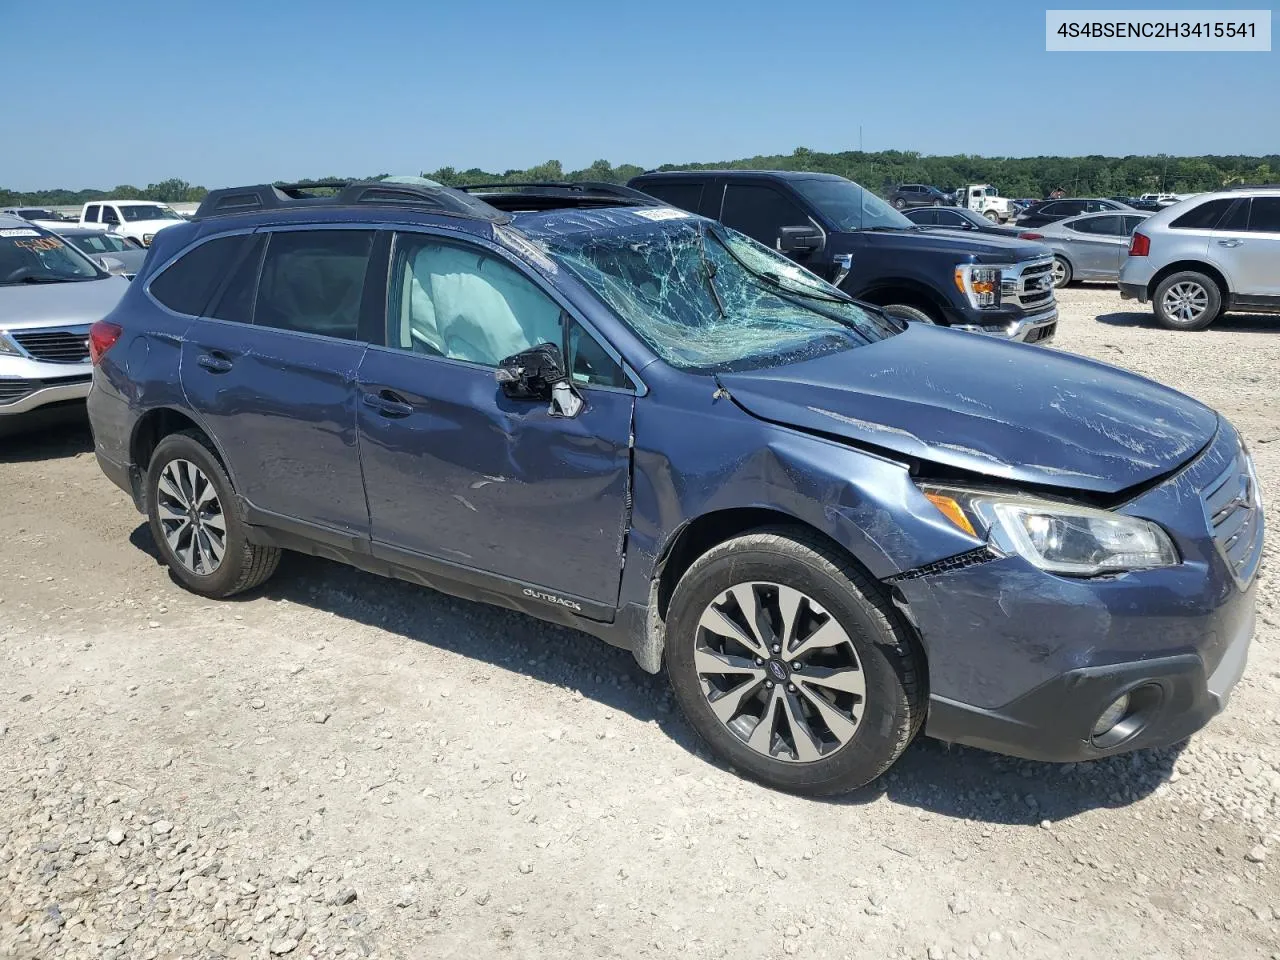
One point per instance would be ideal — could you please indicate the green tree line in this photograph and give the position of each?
(1014, 176)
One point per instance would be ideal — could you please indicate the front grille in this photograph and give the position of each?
(55, 346)
(1233, 507)
(11, 391)
(1029, 285)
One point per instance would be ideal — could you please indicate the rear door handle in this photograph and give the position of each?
(214, 363)
(1230, 243)
(389, 404)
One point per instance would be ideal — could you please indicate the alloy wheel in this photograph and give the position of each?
(1059, 272)
(1185, 302)
(779, 672)
(191, 517)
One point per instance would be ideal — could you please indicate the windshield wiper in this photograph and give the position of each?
(39, 280)
(709, 270)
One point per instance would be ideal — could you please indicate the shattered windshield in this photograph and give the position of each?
(709, 298)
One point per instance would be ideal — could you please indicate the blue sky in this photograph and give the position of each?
(235, 91)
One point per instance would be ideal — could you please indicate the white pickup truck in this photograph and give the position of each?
(139, 219)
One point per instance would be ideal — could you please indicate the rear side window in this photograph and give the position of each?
(686, 196)
(1131, 224)
(926, 217)
(312, 282)
(760, 212)
(1265, 215)
(1106, 226)
(91, 214)
(1203, 217)
(186, 285)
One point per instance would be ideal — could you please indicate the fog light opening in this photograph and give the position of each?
(1126, 716)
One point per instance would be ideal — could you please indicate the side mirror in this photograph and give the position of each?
(112, 266)
(805, 239)
(539, 374)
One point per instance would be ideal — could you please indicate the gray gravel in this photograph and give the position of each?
(340, 765)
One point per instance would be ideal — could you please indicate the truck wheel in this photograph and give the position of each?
(992, 216)
(792, 665)
(899, 203)
(1186, 300)
(900, 311)
(1062, 272)
(937, 203)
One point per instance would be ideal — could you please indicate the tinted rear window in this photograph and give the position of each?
(186, 285)
(1203, 217)
(312, 281)
(1265, 216)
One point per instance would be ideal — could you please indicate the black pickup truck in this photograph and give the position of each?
(846, 234)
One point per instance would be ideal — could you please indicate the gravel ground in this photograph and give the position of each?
(340, 765)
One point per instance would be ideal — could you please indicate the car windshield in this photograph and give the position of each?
(849, 207)
(147, 211)
(29, 255)
(708, 298)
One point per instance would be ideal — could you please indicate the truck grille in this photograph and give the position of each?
(1029, 285)
(70, 345)
(1233, 507)
(12, 390)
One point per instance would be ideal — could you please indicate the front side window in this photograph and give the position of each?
(312, 281)
(760, 211)
(850, 207)
(461, 302)
(711, 299)
(29, 255)
(109, 215)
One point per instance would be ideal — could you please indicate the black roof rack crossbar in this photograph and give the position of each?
(346, 193)
(596, 188)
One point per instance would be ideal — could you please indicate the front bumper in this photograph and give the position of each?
(19, 395)
(1037, 328)
(1177, 695)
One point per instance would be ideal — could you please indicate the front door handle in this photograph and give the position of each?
(389, 404)
(214, 363)
(1230, 243)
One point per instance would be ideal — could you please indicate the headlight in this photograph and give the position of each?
(7, 348)
(979, 283)
(1057, 537)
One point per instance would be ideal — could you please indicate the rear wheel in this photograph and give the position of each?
(194, 521)
(899, 203)
(789, 662)
(1062, 272)
(1187, 300)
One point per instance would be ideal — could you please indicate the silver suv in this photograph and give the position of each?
(1215, 252)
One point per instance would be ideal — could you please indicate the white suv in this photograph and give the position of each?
(1215, 252)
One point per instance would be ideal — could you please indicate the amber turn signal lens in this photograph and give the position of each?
(951, 510)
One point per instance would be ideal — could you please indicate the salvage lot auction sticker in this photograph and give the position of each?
(1224, 31)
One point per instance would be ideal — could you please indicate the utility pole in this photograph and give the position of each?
(859, 138)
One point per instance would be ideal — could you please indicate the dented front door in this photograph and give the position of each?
(456, 471)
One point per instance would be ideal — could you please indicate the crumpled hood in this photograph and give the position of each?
(1006, 410)
(59, 304)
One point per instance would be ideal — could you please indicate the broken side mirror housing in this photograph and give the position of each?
(804, 239)
(539, 374)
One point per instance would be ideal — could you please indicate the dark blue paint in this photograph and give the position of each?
(448, 474)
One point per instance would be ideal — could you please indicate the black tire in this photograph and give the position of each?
(1167, 314)
(1063, 278)
(899, 203)
(992, 216)
(244, 565)
(902, 311)
(893, 669)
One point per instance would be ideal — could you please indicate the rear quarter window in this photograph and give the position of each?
(186, 285)
(1203, 217)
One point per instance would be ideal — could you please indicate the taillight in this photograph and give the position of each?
(1140, 245)
(102, 337)
(1029, 235)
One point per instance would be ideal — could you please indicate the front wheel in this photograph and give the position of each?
(194, 522)
(1187, 301)
(900, 311)
(899, 203)
(791, 664)
(992, 216)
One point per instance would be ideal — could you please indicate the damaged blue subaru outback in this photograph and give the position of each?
(835, 529)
